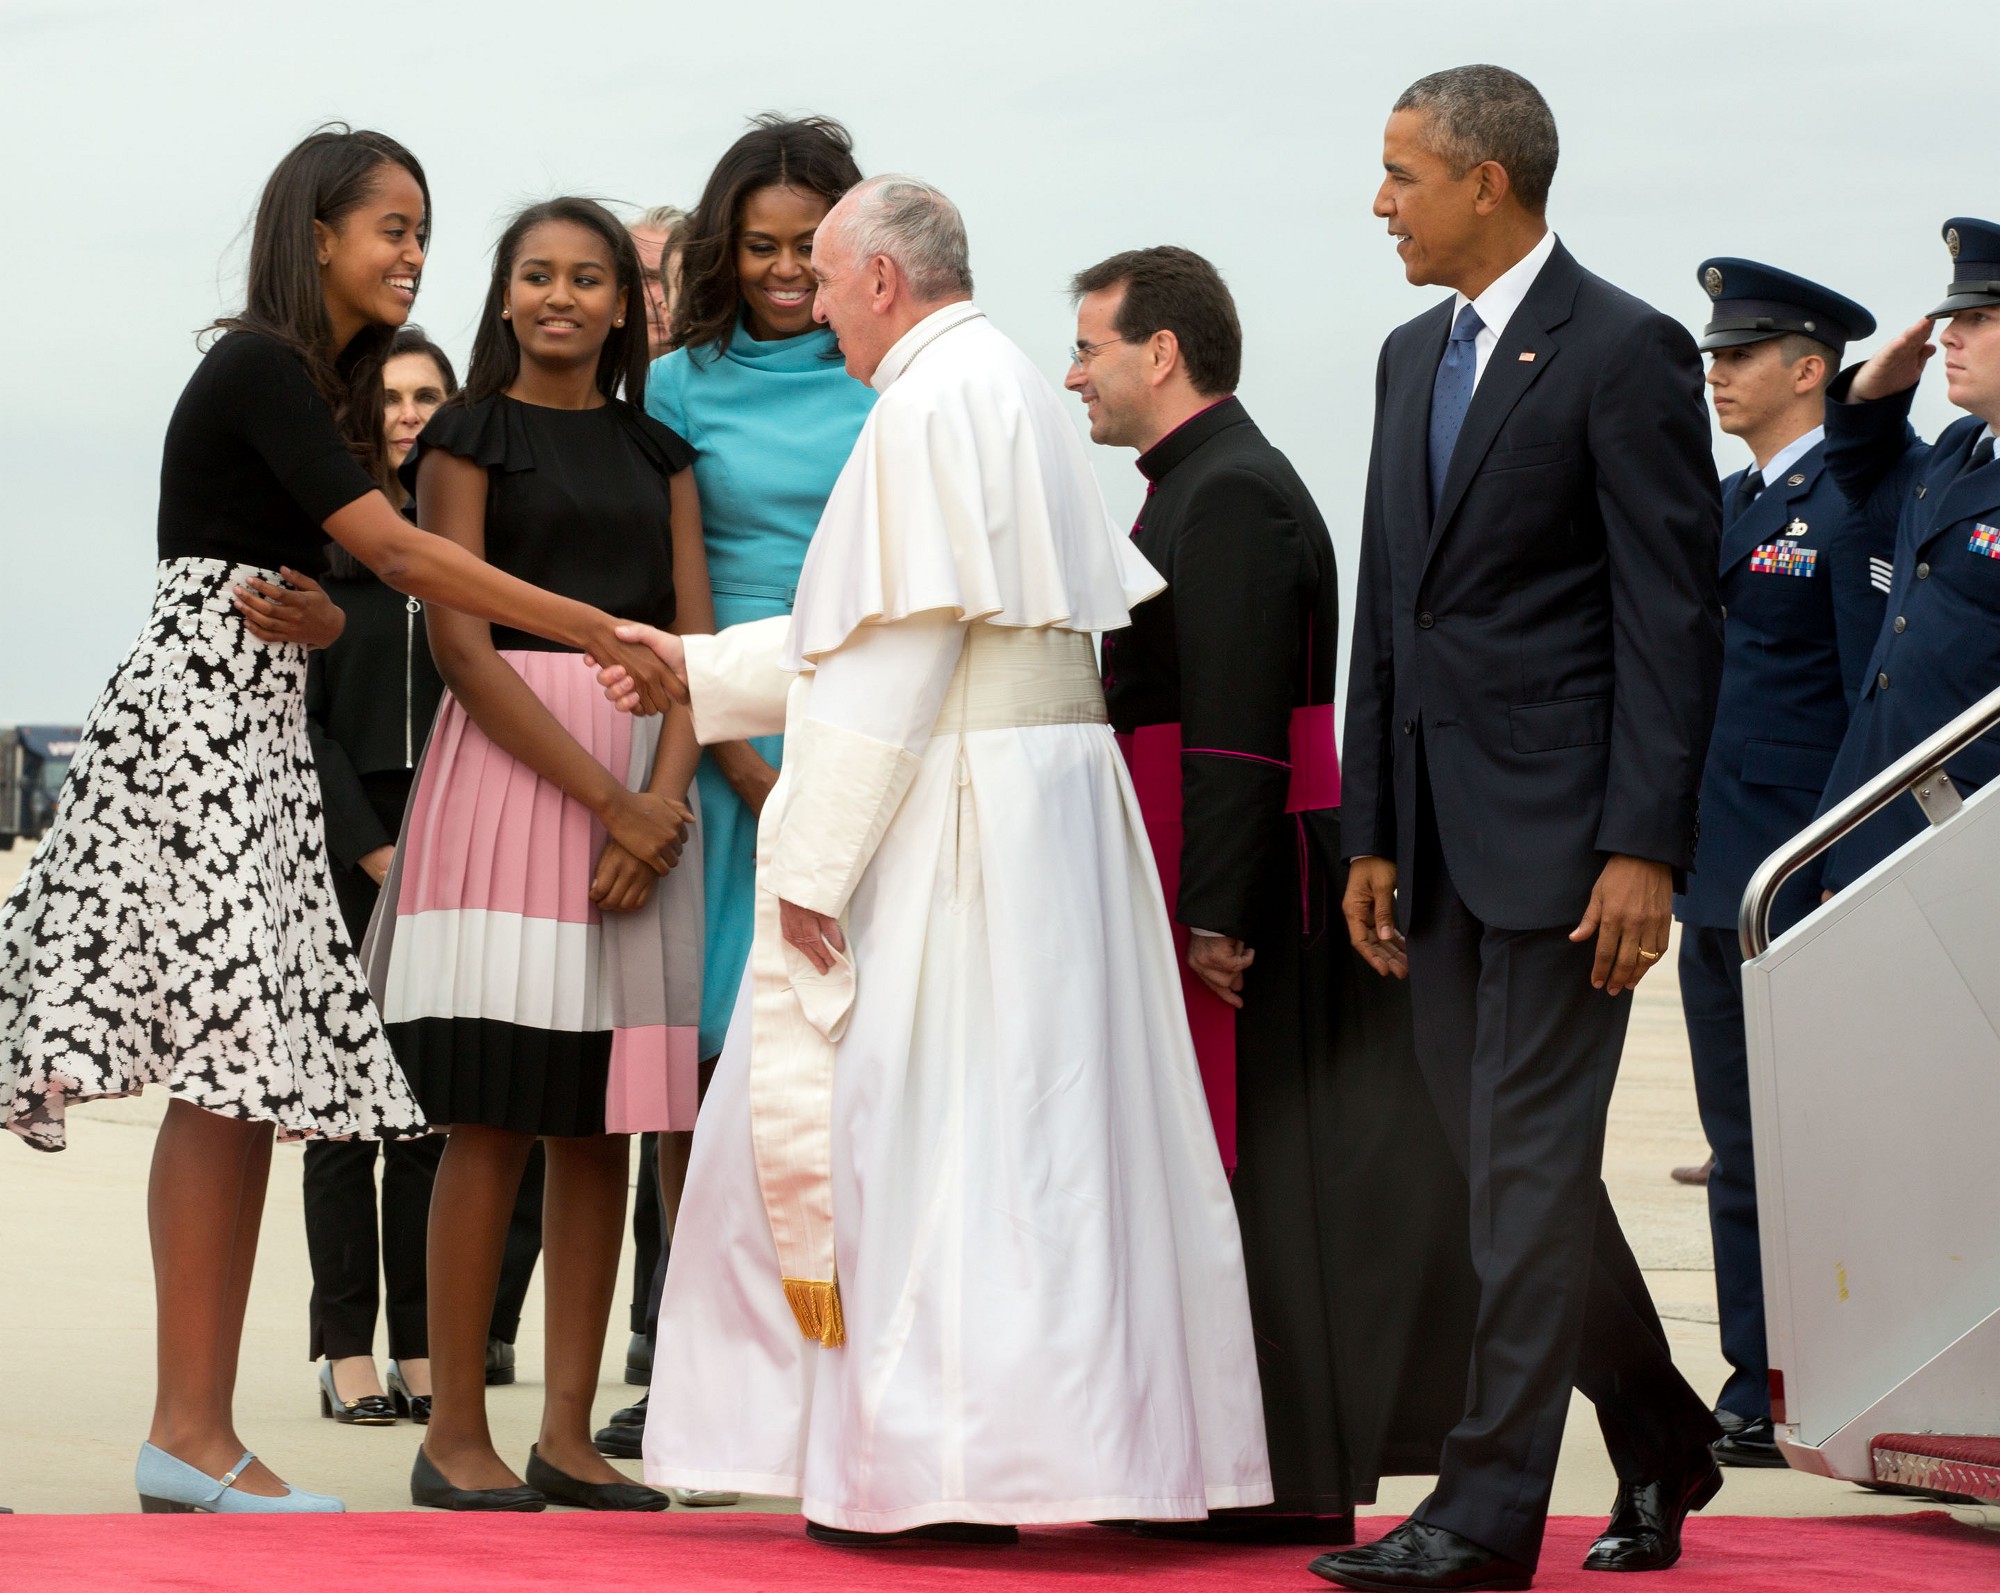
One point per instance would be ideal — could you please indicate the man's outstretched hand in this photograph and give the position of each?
(1370, 909)
(1631, 913)
(617, 680)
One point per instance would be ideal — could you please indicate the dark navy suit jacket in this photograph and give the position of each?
(1796, 638)
(1939, 648)
(1552, 629)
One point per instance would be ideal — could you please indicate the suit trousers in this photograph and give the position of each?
(1711, 970)
(341, 1242)
(1520, 1054)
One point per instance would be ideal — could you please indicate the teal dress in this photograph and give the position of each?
(771, 424)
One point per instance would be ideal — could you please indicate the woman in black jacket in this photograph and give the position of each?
(370, 700)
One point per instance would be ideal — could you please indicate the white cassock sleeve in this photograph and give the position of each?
(874, 703)
(735, 682)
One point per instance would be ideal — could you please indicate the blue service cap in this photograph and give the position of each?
(1754, 303)
(1975, 265)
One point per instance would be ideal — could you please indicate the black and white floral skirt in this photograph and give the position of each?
(178, 924)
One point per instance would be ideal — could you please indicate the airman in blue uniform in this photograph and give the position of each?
(1939, 648)
(1803, 581)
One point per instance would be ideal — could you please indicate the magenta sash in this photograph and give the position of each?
(1153, 754)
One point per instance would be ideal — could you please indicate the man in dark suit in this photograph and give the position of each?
(1221, 691)
(1939, 651)
(1534, 672)
(1803, 579)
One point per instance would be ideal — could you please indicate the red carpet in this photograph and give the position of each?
(681, 1552)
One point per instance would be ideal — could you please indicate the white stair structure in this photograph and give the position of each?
(1874, 1039)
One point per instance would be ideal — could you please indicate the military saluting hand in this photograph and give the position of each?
(1896, 365)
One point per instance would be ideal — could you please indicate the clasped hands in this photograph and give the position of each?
(1630, 913)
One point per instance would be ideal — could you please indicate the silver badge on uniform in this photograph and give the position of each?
(1951, 241)
(1712, 280)
(1796, 528)
(1798, 479)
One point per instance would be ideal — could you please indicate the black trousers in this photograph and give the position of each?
(340, 1210)
(649, 1226)
(1519, 1053)
(348, 1261)
(1711, 969)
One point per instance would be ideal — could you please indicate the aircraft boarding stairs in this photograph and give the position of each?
(1874, 1036)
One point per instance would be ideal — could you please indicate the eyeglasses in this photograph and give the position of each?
(1084, 353)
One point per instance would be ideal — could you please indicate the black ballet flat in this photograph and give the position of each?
(370, 1410)
(415, 1406)
(429, 1487)
(565, 1489)
(982, 1533)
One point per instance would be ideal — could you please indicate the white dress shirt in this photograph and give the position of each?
(1503, 296)
(1791, 454)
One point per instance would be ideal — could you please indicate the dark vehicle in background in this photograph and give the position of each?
(33, 761)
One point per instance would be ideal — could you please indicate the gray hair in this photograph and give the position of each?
(916, 226)
(1481, 113)
(661, 218)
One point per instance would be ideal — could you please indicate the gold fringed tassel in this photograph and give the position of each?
(817, 1307)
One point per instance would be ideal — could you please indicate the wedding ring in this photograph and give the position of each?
(1651, 956)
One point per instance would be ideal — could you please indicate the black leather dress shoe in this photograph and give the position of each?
(639, 1360)
(1644, 1533)
(1253, 1526)
(1751, 1442)
(972, 1532)
(1417, 1555)
(499, 1362)
(562, 1488)
(623, 1437)
(429, 1487)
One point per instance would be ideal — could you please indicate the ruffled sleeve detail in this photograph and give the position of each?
(665, 449)
(967, 491)
(492, 433)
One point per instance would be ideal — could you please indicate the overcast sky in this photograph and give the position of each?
(1830, 138)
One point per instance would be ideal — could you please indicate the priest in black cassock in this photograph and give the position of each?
(1351, 1207)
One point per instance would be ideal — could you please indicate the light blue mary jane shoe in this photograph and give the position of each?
(167, 1485)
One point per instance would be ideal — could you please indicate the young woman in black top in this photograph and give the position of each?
(176, 926)
(537, 981)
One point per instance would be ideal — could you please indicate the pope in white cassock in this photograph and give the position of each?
(957, 1250)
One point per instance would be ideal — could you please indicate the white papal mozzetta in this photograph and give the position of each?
(956, 1244)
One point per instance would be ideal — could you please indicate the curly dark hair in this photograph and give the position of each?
(814, 154)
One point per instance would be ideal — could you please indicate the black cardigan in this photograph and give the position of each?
(370, 702)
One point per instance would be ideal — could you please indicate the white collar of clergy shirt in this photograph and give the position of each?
(919, 337)
(1503, 296)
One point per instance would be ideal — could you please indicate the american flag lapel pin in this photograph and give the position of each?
(1527, 356)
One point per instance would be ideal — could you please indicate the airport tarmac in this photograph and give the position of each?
(76, 1315)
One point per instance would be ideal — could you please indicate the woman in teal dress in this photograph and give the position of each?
(760, 392)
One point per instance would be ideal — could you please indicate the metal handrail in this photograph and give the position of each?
(1920, 771)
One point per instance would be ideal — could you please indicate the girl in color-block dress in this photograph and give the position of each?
(539, 976)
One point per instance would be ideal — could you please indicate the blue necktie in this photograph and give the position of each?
(1451, 395)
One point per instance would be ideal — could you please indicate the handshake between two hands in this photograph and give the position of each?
(625, 688)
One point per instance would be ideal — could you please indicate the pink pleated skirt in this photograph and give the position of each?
(510, 999)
